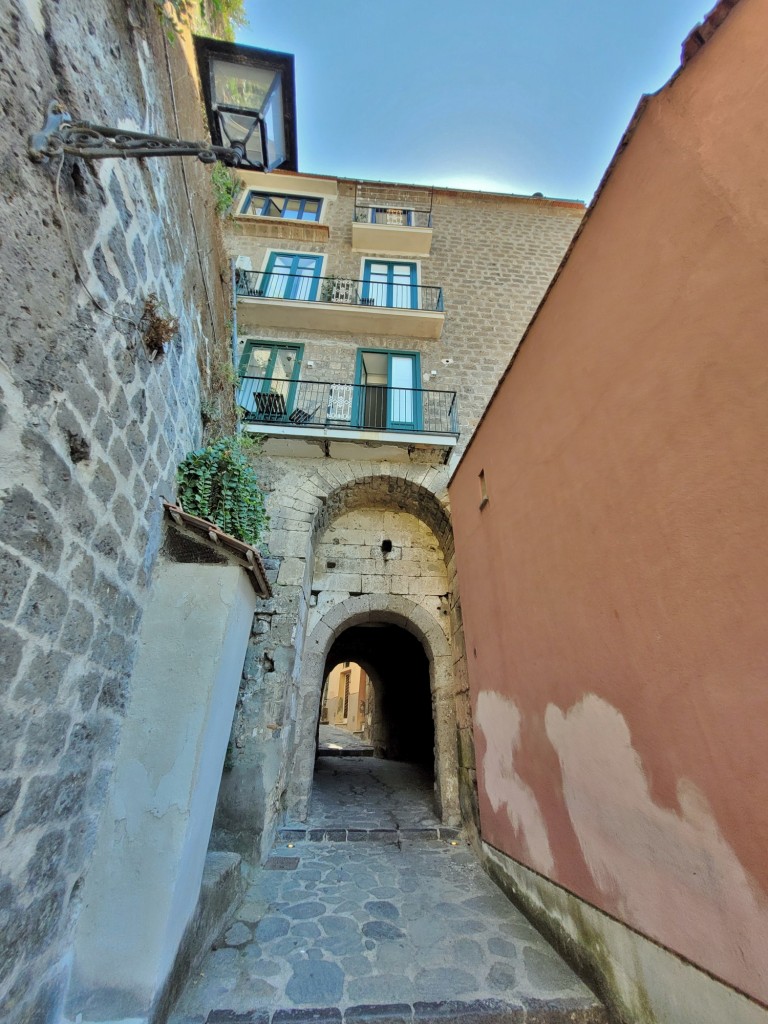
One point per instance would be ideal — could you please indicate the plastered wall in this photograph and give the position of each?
(613, 583)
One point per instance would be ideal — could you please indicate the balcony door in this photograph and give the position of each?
(391, 284)
(269, 376)
(292, 275)
(387, 396)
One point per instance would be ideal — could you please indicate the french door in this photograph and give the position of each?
(387, 396)
(269, 377)
(391, 284)
(291, 275)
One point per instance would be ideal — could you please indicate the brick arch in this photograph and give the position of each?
(399, 611)
(389, 491)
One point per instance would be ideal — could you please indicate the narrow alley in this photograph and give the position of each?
(371, 910)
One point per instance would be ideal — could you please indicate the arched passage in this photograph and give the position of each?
(370, 609)
(396, 663)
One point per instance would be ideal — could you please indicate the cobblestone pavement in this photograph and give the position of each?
(333, 740)
(369, 792)
(395, 927)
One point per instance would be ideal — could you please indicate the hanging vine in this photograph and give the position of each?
(219, 484)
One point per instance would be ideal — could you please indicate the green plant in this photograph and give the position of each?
(219, 484)
(226, 186)
(217, 18)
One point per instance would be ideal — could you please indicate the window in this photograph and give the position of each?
(483, 489)
(392, 284)
(263, 204)
(291, 275)
(269, 376)
(346, 679)
(387, 397)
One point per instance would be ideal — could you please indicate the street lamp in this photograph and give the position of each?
(250, 102)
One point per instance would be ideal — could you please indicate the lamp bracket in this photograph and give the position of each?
(98, 142)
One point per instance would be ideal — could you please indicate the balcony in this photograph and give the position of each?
(392, 230)
(298, 416)
(278, 299)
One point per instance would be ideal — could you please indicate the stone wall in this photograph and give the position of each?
(91, 431)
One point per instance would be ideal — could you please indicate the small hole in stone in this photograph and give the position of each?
(330, 565)
(78, 180)
(386, 546)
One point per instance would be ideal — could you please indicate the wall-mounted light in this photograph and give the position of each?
(250, 103)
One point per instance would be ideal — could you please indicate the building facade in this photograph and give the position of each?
(372, 322)
(612, 555)
(347, 700)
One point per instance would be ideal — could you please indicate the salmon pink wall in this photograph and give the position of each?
(615, 585)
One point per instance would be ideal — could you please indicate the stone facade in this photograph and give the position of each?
(494, 257)
(91, 431)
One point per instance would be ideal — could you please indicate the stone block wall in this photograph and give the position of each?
(91, 431)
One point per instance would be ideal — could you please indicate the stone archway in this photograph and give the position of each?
(400, 611)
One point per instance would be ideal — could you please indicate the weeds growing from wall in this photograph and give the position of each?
(226, 186)
(216, 18)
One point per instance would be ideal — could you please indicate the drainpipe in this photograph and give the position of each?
(233, 276)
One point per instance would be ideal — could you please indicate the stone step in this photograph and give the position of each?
(342, 834)
(344, 751)
(478, 1011)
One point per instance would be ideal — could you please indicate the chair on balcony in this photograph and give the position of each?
(301, 416)
(269, 406)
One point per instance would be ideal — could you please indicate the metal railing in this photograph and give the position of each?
(274, 284)
(347, 406)
(394, 216)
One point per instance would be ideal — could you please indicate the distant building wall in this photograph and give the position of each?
(91, 432)
(346, 692)
(615, 581)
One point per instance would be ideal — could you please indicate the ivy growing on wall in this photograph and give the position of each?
(219, 484)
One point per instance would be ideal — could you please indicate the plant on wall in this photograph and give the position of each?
(219, 484)
(217, 18)
(158, 327)
(226, 186)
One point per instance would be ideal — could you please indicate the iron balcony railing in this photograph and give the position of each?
(274, 284)
(394, 216)
(302, 403)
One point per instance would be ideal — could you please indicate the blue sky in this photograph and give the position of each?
(507, 95)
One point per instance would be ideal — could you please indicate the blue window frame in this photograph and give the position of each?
(291, 275)
(390, 283)
(388, 396)
(269, 373)
(265, 204)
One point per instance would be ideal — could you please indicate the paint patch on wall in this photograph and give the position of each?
(499, 720)
(673, 876)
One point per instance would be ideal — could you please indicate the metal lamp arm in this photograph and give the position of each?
(98, 142)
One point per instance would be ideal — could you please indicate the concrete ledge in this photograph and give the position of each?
(222, 890)
(637, 979)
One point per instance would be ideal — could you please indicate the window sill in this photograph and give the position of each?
(277, 227)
